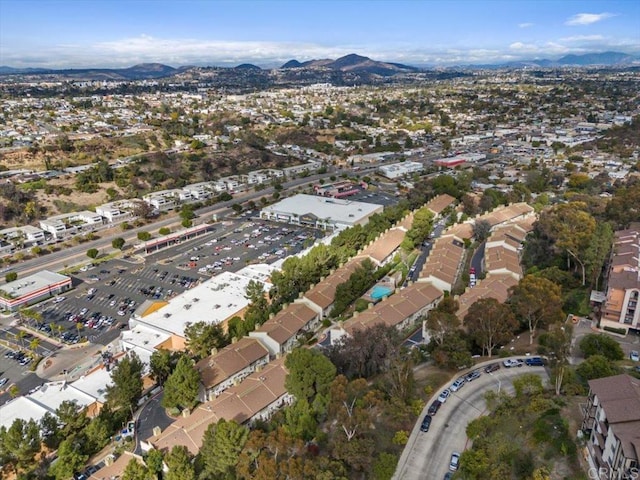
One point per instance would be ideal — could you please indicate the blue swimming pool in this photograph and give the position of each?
(380, 291)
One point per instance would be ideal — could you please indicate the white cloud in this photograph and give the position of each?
(525, 25)
(583, 38)
(587, 18)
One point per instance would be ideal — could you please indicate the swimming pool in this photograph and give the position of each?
(380, 291)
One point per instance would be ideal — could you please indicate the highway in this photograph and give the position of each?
(427, 455)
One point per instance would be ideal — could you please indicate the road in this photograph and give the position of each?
(478, 258)
(151, 415)
(427, 455)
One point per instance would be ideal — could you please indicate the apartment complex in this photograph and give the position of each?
(611, 422)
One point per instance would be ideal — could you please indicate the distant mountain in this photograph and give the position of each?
(290, 64)
(137, 72)
(247, 66)
(354, 63)
(604, 58)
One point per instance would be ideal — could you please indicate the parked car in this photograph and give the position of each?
(512, 362)
(492, 367)
(454, 462)
(471, 376)
(634, 356)
(426, 423)
(457, 385)
(434, 407)
(534, 362)
(3, 381)
(444, 395)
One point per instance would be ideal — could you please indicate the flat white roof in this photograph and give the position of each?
(342, 211)
(25, 286)
(52, 394)
(213, 301)
(94, 384)
(143, 336)
(20, 407)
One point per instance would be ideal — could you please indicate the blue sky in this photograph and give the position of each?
(112, 33)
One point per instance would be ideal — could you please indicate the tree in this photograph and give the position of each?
(72, 417)
(154, 461)
(144, 236)
(161, 364)
(11, 276)
(490, 323)
(536, 301)
(310, 375)
(420, 228)
(440, 323)
(135, 470)
(126, 389)
(202, 337)
(179, 464)
(221, 447)
(453, 352)
(20, 443)
(299, 420)
(597, 252)
(597, 366)
(118, 243)
(385, 466)
(71, 458)
(481, 230)
(93, 253)
(50, 431)
(556, 345)
(164, 231)
(601, 344)
(181, 388)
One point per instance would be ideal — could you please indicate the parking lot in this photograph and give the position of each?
(106, 296)
(14, 371)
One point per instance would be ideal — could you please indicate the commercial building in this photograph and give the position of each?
(66, 224)
(400, 169)
(32, 289)
(611, 423)
(320, 212)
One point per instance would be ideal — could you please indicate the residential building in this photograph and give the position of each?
(620, 309)
(611, 423)
(23, 237)
(229, 366)
(61, 226)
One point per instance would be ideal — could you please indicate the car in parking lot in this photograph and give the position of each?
(458, 384)
(634, 356)
(426, 423)
(534, 362)
(434, 407)
(454, 463)
(492, 368)
(512, 362)
(444, 395)
(84, 311)
(471, 376)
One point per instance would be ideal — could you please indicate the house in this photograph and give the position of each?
(320, 297)
(381, 250)
(611, 423)
(280, 334)
(439, 203)
(230, 366)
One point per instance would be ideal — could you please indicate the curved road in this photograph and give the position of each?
(427, 455)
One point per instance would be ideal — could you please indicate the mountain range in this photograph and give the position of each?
(350, 65)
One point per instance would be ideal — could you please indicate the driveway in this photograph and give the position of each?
(427, 455)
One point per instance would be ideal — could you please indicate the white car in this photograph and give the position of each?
(634, 356)
(3, 381)
(457, 385)
(512, 362)
(444, 395)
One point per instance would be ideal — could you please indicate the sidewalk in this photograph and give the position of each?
(76, 361)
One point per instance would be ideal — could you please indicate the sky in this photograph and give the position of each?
(120, 33)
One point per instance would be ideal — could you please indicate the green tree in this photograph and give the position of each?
(453, 352)
(384, 466)
(601, 344)
(179, 464)
(118, 243)
(126, 389)
(161, 364)
(144, 236)
(597, 252)
(181, 388)
(11, 276)
(50, 431)
(556, 346)
(597, 366)
(420, 228)
(19, 444)
(135, 470)
(310, 376)
(221, 447)
(154, 461)
(72, 417)
(93, 253)
(536, 301)
(481, 230)
(71, 458)
(202, 337)
(490, 323)
(164, 231)
(300, 421)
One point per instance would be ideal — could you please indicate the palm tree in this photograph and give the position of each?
(34, 344)
(20, 336)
